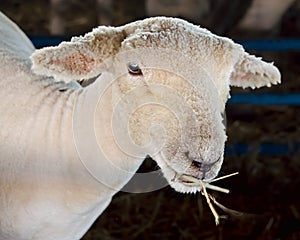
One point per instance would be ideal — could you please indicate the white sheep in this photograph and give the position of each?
(162, 84)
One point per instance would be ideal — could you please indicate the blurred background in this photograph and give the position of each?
(263, 137)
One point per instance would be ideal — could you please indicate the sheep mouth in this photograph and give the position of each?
(186, 180)
(198, 172)
(191, 181)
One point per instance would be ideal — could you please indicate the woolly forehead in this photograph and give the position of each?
(174, 45)
(176, 35)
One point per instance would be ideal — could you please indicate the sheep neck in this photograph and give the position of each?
(100, 152)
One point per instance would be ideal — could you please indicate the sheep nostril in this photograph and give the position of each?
(202, 176)
(196, 164)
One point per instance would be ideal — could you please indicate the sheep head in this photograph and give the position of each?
(170, 83)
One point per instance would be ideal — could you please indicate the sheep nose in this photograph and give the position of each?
(197, 164)
(204, 169)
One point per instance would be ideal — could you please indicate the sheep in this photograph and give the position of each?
(161, 87)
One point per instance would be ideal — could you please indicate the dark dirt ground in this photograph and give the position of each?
(268, 185)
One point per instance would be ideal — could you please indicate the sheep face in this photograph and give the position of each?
(169, 83)
(171, 112)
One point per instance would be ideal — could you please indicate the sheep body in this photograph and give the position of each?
(49, 183)
(33, 194)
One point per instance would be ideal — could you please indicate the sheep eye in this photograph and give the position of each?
(134, 69)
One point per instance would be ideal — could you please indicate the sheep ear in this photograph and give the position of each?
(251, 71)
(81, 58)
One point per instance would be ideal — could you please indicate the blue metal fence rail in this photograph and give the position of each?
(263, 149)
(40, 42)
(272, 45)
(266, 99)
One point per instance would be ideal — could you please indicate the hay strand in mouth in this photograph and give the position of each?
(223, 177)
(189, 180)
(194, 182)
(212, 209)
(225, 209)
